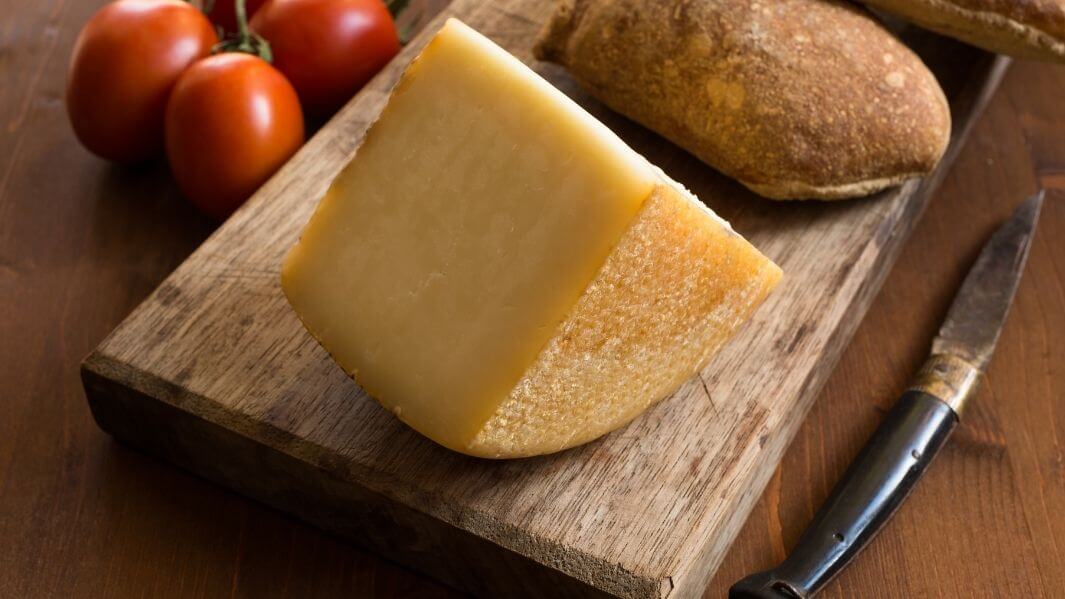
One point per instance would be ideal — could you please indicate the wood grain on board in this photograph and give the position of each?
(214, 373)
(83, 516)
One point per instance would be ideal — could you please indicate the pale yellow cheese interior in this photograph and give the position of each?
(449, 261)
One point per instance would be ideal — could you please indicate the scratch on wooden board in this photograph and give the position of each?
(709, 397)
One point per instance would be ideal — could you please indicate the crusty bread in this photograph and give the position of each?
(794, 98)
(1025, 28)
(676, 287)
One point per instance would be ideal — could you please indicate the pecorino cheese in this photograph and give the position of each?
(502, 272)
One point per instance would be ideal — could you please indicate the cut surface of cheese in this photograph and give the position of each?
(501, 271)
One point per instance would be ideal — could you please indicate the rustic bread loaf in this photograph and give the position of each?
(794, 98)
(1025, 28)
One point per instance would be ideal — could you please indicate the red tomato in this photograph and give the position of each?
(328, 49)
(125, 61)
(224, 13)
(232, 120)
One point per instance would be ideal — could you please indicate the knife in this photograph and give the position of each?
(918, 425)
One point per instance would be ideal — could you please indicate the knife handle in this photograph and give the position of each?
(862, 501)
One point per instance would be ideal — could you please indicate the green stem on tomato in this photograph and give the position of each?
(246, 40)
(242, 22)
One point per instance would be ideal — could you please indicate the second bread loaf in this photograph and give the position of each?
(1026, 28)
(794, 98)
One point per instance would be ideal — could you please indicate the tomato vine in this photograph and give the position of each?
(245, 40)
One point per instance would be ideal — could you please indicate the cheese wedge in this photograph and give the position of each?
(502, 272)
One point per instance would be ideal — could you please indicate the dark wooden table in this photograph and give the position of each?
(81, 242)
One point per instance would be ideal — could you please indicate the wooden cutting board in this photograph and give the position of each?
(214, 373)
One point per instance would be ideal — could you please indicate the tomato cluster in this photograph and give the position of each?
(149, 76)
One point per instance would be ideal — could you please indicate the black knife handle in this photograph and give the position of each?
(863, 500)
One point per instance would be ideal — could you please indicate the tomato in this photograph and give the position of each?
(232, 120)
(223, 12)
(125, 62)
(328, 49)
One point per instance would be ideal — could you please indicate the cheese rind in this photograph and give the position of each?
(675, 288)
(485, 221)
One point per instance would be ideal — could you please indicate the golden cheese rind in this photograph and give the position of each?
(1025, 28)
(675, 288)
(794, 98)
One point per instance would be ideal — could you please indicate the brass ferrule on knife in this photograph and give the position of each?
(948, 378)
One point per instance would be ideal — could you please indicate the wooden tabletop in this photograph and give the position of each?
(82, 242)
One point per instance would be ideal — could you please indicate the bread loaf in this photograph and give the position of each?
(1025, 28)
(794, 98)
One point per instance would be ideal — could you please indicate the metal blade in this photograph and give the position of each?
(979, 310)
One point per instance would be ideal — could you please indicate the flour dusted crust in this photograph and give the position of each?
(1026, 28)
(794, 98)
(675, 288)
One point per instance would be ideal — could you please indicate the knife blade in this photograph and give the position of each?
(916, 428)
